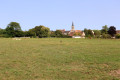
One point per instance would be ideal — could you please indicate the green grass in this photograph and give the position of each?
(59, 59)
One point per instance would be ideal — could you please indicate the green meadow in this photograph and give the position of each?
(59, 59)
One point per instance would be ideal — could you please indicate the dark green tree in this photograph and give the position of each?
(2, 32)
(58, 33)
(14, 30)
(90, 33)
(52, 34)
(29, 33)
(39, 31)
(86, 32)
(112, 31)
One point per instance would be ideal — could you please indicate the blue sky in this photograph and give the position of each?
(59, 14)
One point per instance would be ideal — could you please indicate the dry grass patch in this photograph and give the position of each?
(115, 73)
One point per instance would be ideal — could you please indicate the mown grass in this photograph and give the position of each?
(59, 59)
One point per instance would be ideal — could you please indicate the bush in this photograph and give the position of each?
(97, 36)
(106, 36)
(118, 36)
(66, 36)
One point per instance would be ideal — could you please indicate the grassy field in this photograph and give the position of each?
(59, 59)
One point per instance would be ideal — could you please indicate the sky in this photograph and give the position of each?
(59, 14)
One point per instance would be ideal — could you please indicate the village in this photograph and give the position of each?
(14, 30)
(82, 34)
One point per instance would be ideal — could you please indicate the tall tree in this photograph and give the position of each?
(104, 29)
(112, 31)
(13, 30)
(40, 31)
(15, 26)
(86, 32)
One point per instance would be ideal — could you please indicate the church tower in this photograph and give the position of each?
(73, 27)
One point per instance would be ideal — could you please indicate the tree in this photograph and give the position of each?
(58, 33)
(97, 33)
(106, 36)
(29, 33)
(104, 29)
(86, 32)
(112, 31)
(15, 26)
(13, 30)
(118, 36)
(2, 32)
(40, 31)
(19, 33)
(52, 34)
(90, 33)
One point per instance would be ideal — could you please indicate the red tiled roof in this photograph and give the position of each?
(78, 31)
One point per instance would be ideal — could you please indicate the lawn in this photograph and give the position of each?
(59, 59)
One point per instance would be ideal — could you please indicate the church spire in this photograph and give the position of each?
(72, 24)
(73, 28)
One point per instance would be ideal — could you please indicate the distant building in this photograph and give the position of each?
(118, 31)
(73, 33)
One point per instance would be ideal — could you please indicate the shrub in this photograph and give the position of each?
(118, 36)
(106, 36)
(98, 36)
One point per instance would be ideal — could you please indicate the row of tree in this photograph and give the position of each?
(105, 32)
(14, 30)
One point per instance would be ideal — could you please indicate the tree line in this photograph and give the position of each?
(105, 32)
(13, 29)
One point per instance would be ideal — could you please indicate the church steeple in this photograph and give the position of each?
(73, 27)
(72, 24)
